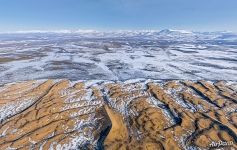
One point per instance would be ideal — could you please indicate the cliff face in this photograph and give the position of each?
(135, 114)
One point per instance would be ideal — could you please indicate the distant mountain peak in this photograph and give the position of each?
(175, 31)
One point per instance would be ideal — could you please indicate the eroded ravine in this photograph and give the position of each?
(135, 114)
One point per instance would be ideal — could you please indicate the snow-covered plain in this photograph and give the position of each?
(121, 55)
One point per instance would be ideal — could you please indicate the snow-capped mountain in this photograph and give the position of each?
(168, 34)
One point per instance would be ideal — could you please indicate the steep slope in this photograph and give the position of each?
(134, 114)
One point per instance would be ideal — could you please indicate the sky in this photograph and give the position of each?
(196, 15)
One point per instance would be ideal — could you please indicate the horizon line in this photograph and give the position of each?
(70, 31)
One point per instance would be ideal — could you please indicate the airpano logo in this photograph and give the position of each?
(221, 144)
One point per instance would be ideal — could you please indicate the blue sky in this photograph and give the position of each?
(203, 15)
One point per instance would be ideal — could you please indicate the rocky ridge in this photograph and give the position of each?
(134, 114)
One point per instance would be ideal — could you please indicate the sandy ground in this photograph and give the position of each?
(134, 114)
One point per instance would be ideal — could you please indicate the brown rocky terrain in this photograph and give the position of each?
(135, 114)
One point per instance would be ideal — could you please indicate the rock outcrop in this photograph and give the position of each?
(135, 114)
